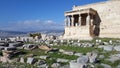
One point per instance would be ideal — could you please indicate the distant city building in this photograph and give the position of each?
(25, 39)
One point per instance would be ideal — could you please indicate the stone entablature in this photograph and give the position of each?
(81, 11)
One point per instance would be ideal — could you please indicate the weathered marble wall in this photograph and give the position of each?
(109, 13)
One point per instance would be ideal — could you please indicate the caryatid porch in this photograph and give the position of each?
(82, 17)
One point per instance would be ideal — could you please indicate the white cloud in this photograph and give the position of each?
(33, 25)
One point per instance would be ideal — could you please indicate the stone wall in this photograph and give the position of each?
(77, 33)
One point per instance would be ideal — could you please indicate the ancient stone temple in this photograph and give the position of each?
(93, 20)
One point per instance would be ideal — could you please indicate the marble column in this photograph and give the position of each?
(72, 20)
(91, 20)
(88, 19)
(79, 20)
(66, 21)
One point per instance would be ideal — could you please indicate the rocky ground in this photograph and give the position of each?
(97, 53)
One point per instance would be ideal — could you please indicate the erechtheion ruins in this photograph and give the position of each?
(93, 20)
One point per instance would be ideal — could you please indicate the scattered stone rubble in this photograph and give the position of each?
(105, 65)
(89, 59)
(68, 52)
(62, 60)
(30, 60)
(108, 48)
(44, 57)
(117, 48)
(83, 60)
(44, 47)
(29, 46)
(22, 60)
(55, 65)
(114, 58)
(74, 64)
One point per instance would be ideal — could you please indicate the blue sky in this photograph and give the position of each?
(30, 15)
